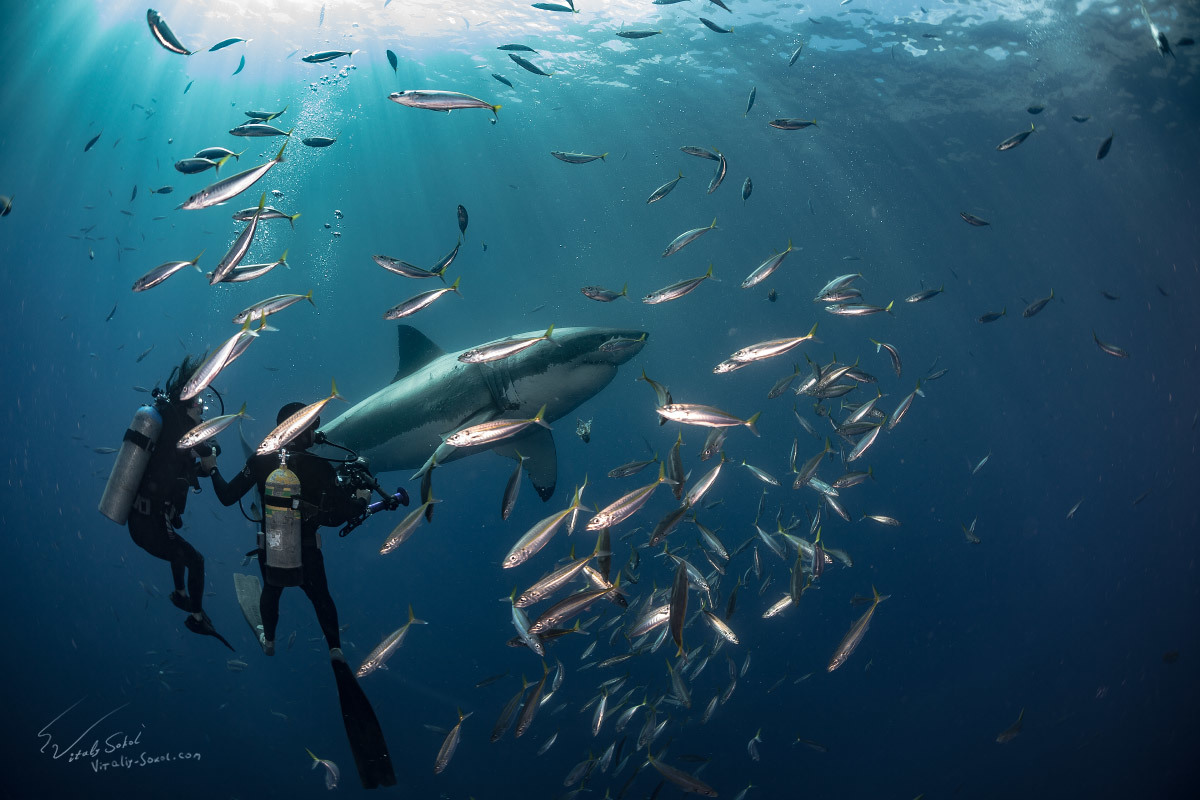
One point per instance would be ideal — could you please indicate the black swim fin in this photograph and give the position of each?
(204, 627)
(362, 729)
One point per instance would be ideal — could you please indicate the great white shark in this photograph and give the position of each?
(433, 394)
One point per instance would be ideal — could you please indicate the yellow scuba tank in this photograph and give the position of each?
(281, 526)
(140, 439)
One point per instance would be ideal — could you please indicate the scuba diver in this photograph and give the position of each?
(148, 489)
(300, 492)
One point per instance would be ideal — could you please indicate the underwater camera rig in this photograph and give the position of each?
(354, 473)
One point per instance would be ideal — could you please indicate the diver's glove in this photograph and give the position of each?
(208, 460)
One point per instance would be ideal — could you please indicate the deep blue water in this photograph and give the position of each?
(1088, 624)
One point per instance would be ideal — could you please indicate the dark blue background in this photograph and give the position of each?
(1069, 620)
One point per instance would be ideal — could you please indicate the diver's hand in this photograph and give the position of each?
(208, 461)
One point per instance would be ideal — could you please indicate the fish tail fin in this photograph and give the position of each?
(549, 331)
(309, 298)
(750, 423)
(709, 274)
(279, 155)
(221, 163)
(262, 201)
(625, 290)
(496, 108)
(197, 259)
(812, 333)
(292, 219)
(714, 224)
(334, 393)
(540, 417)
(888, 307)
(314, 758)
(283, 258)
(603, 156)
(454, 286)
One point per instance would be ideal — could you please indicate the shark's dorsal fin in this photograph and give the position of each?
(415, 351)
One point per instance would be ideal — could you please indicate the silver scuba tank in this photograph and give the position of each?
(281, 541)
(141, 437)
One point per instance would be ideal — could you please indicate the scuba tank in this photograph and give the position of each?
(281, 526)
(140, 439)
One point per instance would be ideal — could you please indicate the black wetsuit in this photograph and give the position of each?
(162, 495)
(323, 502)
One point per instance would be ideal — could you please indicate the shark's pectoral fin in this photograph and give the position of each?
(541, 459)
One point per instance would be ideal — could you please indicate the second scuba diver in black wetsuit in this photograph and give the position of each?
(322, 502)
(157, 513)
(295, 483)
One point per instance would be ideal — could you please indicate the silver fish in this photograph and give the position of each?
(434, 100)
(451, 742)
(676, 290)
(719, 175)
(764, 270)
(238, 250)
(686, 238)
(487, 433)
(257, 129)
(417, 302)
(503, 349)
(576, 158)
(509, 500)
(855, 635)
(664, 190)
(213, 364)
(228, 188)
(390, 644)
(163, 34)
(208, 429)
(296, 424)
(160, 273)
